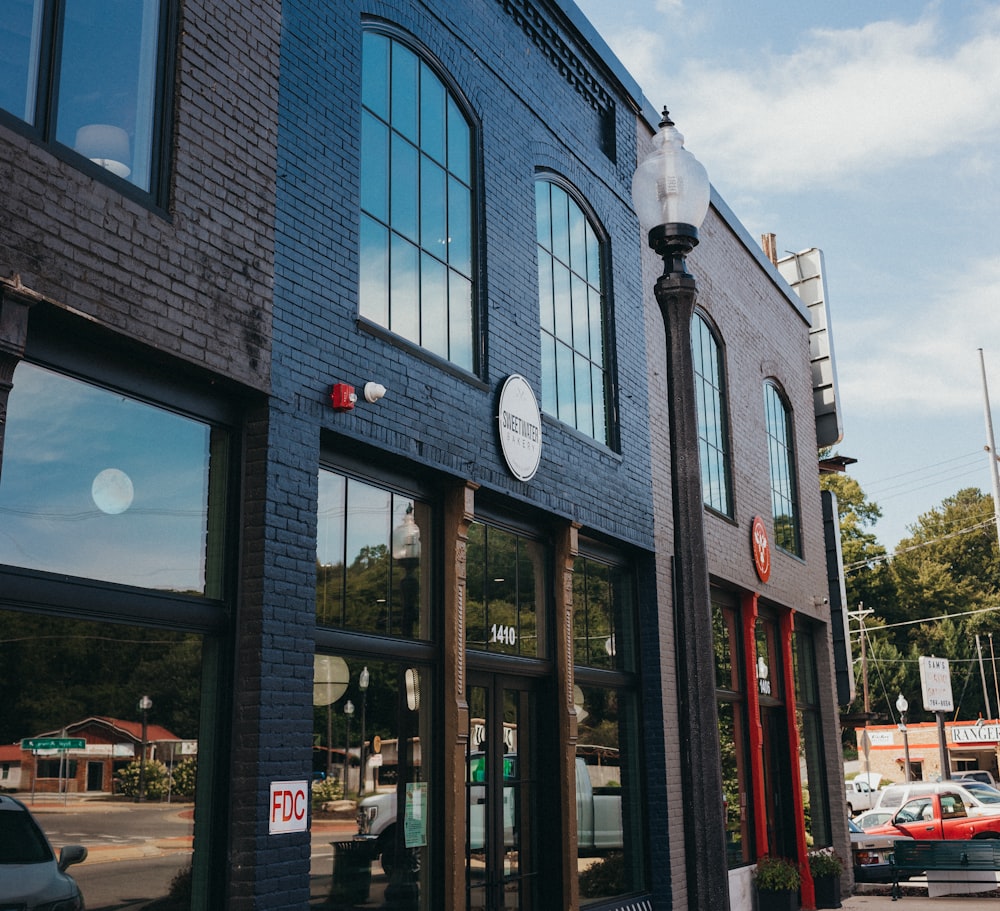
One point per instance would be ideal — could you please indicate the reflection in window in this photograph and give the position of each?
(99, 485)
(808, 716)
(733, 744)
(370, 726)
(505, 578)
(713, 429)
(102, 95)
(571, 311)
(372, 551)
(83, 681)
(784, 499)
(416, 203)
(602, 596)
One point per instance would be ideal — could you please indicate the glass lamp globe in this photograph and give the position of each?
(670, 186)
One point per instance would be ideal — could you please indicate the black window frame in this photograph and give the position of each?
(717, 451)
(782, 470)
(42, 128)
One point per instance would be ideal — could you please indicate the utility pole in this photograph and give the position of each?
(860, 615)
(991, 449)
(982, 676)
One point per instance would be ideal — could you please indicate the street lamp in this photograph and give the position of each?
(145, 704)
(671, 192)
(363, 682)
(348, 712)
(901, 706)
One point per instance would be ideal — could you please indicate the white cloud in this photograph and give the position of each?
(843, 102)
(926, 359)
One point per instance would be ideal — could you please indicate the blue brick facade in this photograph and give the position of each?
(235, 299)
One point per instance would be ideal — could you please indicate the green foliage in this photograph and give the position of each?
(605, 877)
(776, 874)
(825, 863)
(185, 773)
(155, 785)
(325, 791)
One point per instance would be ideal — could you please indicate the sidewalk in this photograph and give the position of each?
(915, 899)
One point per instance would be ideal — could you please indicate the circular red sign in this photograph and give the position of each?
(761, 548)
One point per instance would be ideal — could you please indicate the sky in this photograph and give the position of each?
(868, 129)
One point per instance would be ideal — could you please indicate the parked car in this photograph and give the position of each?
(942, 814)
(986, 793)
(30, 877)
(895, 795)
(975, 775)
(871, 855)
(872, 818)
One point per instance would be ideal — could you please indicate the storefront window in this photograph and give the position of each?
(99, 485)
(817, 810)
(373, 547)
(609, 791)
(506, 585)
(372, 745)
(124, 784)
(732, 733)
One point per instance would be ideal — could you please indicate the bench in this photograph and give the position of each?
(930, 855)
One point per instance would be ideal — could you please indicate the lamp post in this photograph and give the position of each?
(145, 704)
(348, 713)
(403, 890)
(671, 193)
(363, 682)
(901, 706)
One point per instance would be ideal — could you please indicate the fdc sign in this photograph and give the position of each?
(289, 807)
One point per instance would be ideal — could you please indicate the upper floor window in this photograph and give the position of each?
(416, 203)
(88, 75)
(713, 429)
(572, 313)
(781, 451)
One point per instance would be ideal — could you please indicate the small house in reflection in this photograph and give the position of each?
(110, 744)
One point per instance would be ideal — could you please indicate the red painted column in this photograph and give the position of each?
(788, 668)
(755, 733)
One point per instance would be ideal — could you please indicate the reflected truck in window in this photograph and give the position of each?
(598, 812)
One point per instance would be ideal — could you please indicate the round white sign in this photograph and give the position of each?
(520, 424)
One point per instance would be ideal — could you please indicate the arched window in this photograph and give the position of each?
(416, 203)
(571, 302)
(713, 425)
(781, 452)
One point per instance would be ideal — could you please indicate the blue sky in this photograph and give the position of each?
(869, 130)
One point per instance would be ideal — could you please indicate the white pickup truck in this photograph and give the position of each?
(598, 815)
(860, 796)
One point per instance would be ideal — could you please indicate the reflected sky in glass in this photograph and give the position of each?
(99, 485)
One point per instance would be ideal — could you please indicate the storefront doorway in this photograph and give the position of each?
(501, 783)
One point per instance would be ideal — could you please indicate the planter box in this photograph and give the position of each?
(787, 900)
(827, 890)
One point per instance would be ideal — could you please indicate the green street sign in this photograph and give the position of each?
(54, 743)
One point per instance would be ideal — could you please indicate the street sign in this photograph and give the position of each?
(54, 743)
(935, 684)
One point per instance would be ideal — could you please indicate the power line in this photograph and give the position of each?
(858, 564)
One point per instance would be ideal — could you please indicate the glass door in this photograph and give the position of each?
(501, 855)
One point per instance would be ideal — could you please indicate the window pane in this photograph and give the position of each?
(433, 305)
(433, 201)
(20, 37)
(505, 573)
(404, 290)
(550, 403)
(609, 795)
(566, 394)
(546, 301)
(373, 293)
(404, 187)
(404, 91)
(459, 144)
(373, 545)
(584, 411)
(83, 681)
(433, 108)
(461, 350)
(375, 753)
(99, 485)
(560, 224)
(459, 227)
(375, 174)
(781, 454)
(712, 424)
(107, 80)
(375, 74)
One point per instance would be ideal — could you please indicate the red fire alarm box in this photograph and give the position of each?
(343, 397)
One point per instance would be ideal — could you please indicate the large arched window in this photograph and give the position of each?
(416, 203)
(781, 452)
(571, 302)
(713, 427)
